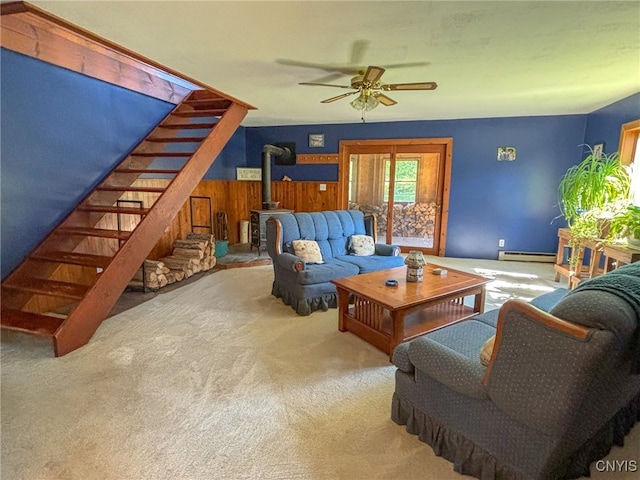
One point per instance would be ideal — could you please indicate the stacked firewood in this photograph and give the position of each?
(196, 253)
(414, 219)
(409, 220)
(154, 274)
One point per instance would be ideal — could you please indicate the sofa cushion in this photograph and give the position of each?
(307, 250)
(372, 263)
(544, 302)
(466, 337)
(324, 272)
(362, 245)
(547, 300)
(489, 318)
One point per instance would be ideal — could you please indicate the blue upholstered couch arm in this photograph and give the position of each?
(289, 261)
(401, 358)
(387, 250)
(451, 368)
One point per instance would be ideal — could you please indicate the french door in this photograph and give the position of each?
(405, 183)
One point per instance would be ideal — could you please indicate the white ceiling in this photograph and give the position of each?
(490, 59)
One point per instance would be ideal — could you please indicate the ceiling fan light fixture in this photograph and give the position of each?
(365, 102)
(371, 103)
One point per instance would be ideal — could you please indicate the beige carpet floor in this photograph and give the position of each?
(220, 380)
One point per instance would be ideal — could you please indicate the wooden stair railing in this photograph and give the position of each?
(68, 285)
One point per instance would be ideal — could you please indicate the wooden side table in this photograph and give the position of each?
(592, 269)
(615, 255)
(561, 268)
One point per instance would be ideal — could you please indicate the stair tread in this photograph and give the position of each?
(31, 323)
(162, 154)
(164, 171)
(188, 126)
(85, 259)
(94, 232)
(124, 188)
(203, 102)
(175, 139)
(214, 112)
(52, 288)
(112, 209)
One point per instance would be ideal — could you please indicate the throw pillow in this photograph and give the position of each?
(362, 245)
(307, 250)
(487, 350)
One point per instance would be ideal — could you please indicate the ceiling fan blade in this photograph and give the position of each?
(383, 99)
(373, 74)
(333, 99)
(324, 84)
(328, 79)
(345, 70)
(358, 50)
(407, 64)
(410, 86)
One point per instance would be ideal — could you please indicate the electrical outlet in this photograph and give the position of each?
(323, 187)
(501, 242)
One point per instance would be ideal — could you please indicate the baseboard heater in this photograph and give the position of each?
(527, 257)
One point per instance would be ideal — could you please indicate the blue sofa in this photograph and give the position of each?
(562, 383)
(307, 287)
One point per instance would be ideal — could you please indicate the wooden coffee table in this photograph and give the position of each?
(386, 316)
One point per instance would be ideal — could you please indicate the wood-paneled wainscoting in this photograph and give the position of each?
(237, 199)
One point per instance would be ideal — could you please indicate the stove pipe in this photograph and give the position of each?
(267, 152)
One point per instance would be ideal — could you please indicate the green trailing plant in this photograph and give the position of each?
(596, 182)
(596, 226)
(627, 224)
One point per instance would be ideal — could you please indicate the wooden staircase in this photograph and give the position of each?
(66, 287)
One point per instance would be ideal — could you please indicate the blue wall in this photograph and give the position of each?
(603, 125)
(61, 133)
(224, 168)
(489, 200)
(233, 155)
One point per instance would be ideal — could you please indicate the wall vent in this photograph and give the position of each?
(527, 257)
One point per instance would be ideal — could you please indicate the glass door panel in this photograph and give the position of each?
(404, 186)
(368, 189)
(415, 199)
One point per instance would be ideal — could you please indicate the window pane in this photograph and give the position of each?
(407, 171)
(405, 181)
(405, 192)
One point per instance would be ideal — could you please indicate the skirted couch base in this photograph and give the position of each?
(470, 459)
(304, 306)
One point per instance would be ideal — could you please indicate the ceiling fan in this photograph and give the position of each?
(367, 85)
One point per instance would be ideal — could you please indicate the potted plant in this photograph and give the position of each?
(591, 194)
(627, 225)
(595, 228)
(597, 182)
